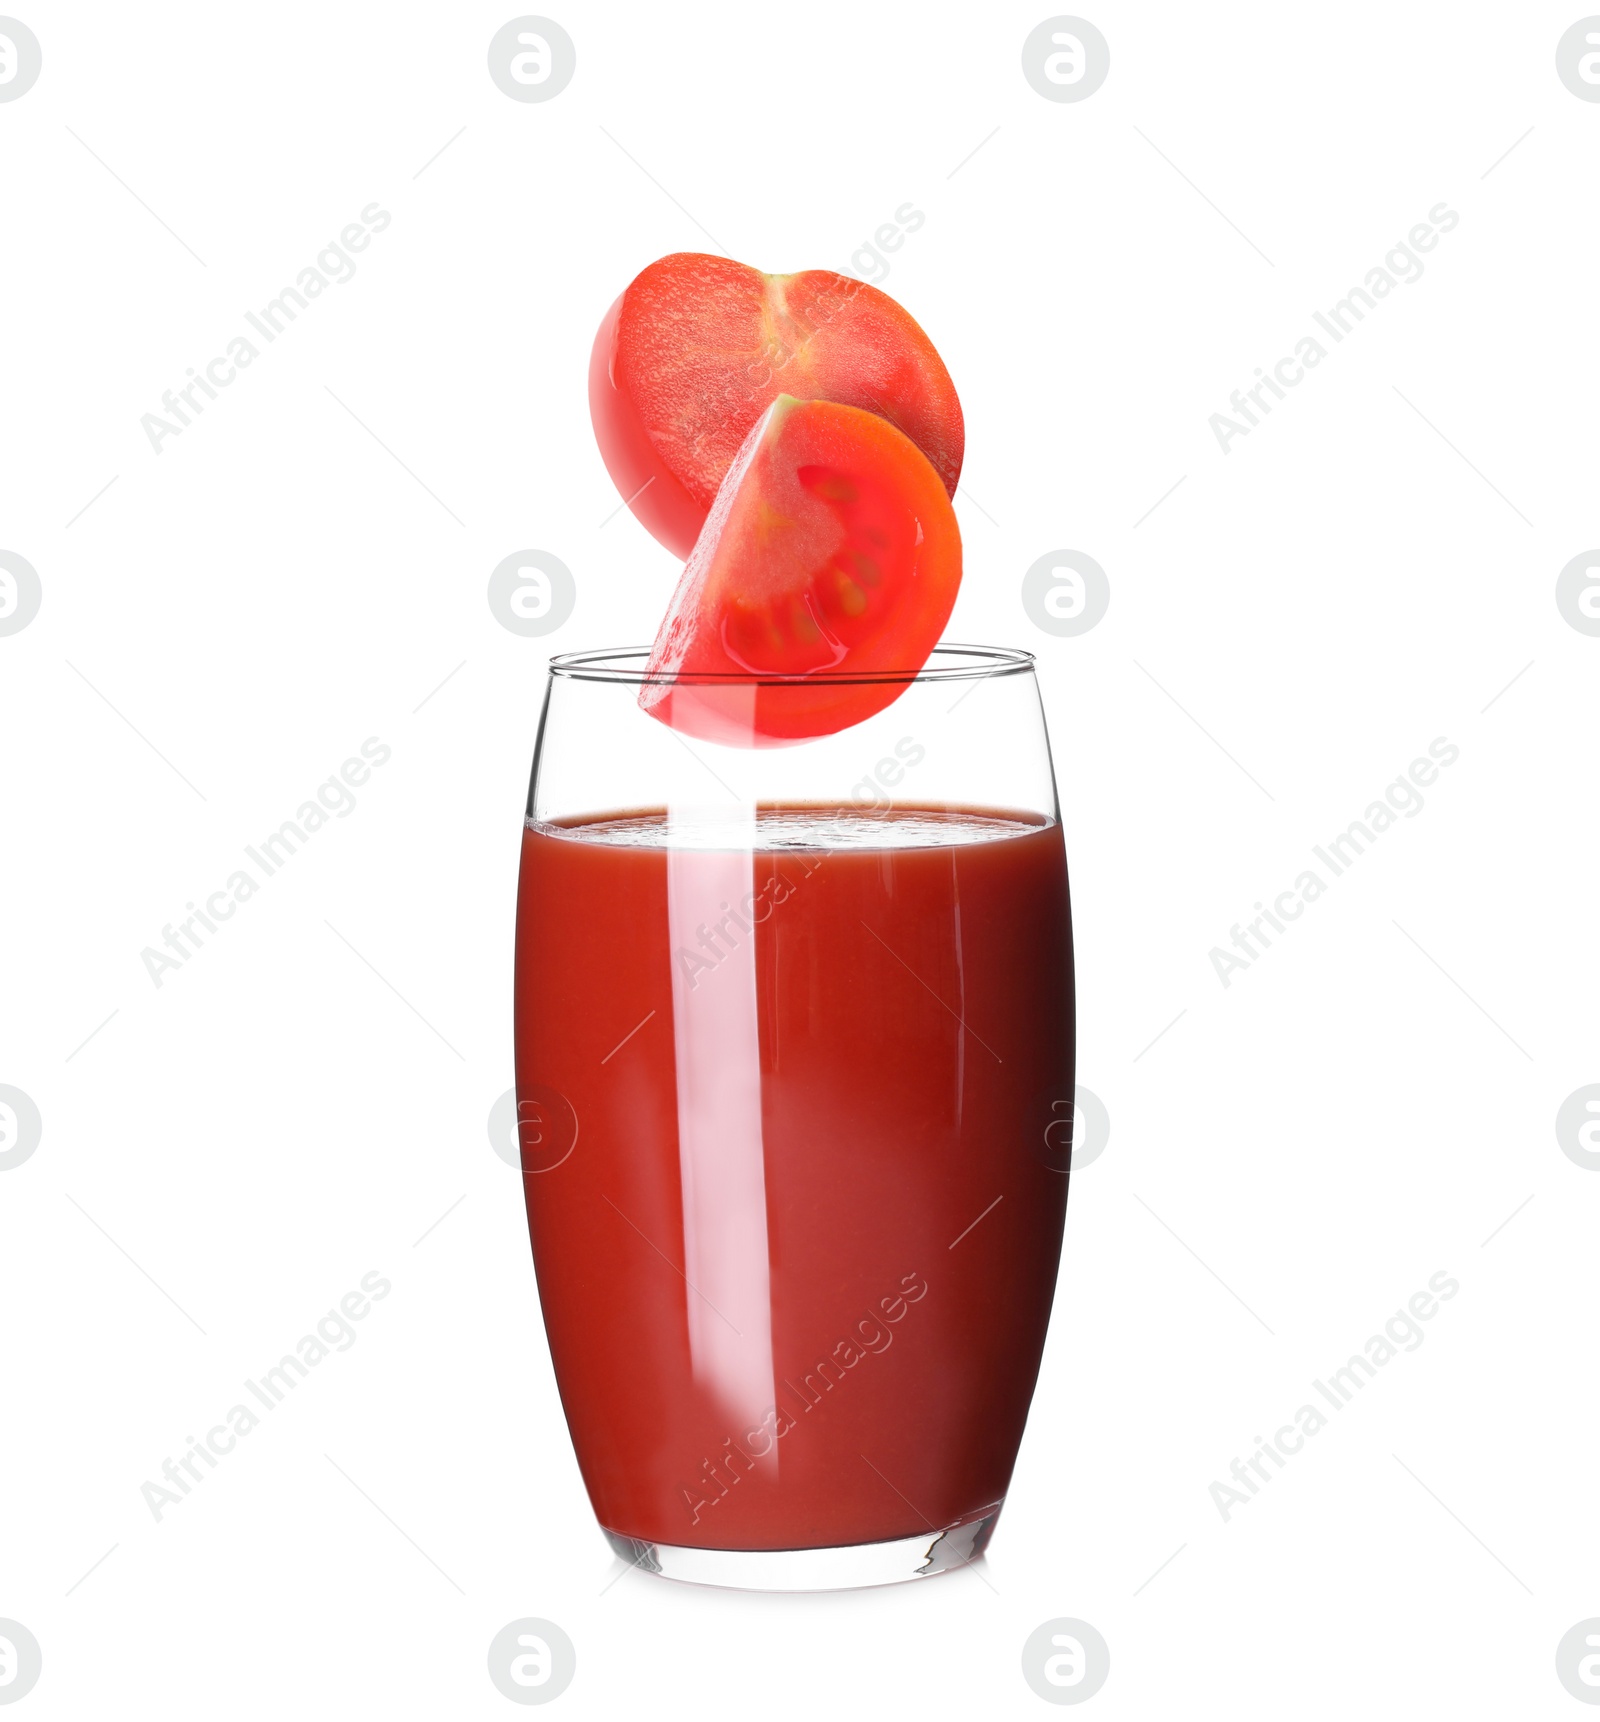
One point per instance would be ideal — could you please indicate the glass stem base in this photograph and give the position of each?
(849, 1566)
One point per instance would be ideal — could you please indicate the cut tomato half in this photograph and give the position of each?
(698, 347)
(821, 582)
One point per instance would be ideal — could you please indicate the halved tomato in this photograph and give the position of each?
(698, 347)
(831, 557)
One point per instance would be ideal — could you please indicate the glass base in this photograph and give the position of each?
(850, 1566)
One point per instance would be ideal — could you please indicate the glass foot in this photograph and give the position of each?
(851, 1566)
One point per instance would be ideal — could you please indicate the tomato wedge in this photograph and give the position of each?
(698, 347)
(831, 556)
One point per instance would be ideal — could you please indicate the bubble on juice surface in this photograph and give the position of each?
(796, 828)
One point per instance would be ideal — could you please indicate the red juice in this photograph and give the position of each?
(793, 1104)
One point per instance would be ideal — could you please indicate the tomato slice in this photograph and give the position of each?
(698, 347)
(832, 556)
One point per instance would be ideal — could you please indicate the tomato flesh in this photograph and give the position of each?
(831, 551)
(698, 347)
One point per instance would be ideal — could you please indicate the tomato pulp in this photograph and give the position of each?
(793, 1171)
(832, 552)
(698, 347)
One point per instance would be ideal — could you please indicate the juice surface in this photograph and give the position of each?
(794, 1102)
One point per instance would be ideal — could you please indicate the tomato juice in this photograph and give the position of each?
(786, 1087)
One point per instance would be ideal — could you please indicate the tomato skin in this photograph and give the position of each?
(698, 347)
(660, 503)
(831, 559)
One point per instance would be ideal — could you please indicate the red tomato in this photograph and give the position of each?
(699, 347)
(832, 552)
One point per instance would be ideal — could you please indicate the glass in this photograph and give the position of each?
(794, 1051)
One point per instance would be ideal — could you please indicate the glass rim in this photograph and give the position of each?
(975, 662)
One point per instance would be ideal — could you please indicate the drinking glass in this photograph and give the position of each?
(794, 1057)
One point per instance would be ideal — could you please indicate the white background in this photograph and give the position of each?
(1342, 587)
